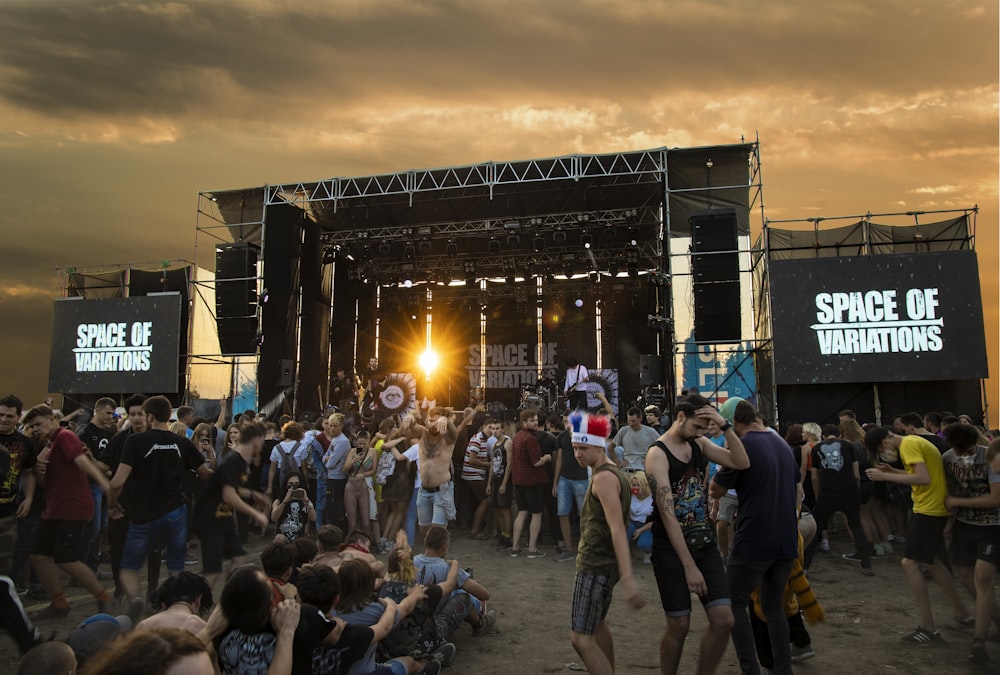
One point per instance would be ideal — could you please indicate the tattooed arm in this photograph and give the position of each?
(658, 474)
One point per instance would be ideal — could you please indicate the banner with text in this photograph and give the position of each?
(882, 318)
(116, 345)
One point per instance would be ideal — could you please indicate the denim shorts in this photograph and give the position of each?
(569, 491)
(169, 529)
(438, 507)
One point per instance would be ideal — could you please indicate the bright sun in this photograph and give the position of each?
(429, 361)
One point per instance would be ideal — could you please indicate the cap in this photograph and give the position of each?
(96, 631)
(589, 429)
(728, 409)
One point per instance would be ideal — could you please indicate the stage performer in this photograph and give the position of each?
(604, 557)
(575, 388)
(436, 496)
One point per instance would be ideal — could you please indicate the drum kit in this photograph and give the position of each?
(533, 397)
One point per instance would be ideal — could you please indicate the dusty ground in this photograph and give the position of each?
(866, 616)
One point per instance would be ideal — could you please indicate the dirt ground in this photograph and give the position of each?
(866, 616)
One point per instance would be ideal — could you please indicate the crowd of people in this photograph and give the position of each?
(722, 507)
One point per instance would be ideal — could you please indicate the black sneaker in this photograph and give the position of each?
(504, 544)
(978, 654)
(432, 668)
(923, 638)
(445, 654)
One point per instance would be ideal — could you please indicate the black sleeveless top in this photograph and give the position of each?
(687, 482)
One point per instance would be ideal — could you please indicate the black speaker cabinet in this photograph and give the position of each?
(236, 297)
(649, 370)
(715, 270)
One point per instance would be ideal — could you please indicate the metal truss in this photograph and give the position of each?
(487, 174)
(637, 217)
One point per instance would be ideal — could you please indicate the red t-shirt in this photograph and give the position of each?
(67, 490)
(526, 454)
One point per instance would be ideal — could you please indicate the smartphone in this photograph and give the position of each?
(298, 494)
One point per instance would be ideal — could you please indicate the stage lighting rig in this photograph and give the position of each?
(659, 279)
(469, 268)
(587, 239)
(654, 321)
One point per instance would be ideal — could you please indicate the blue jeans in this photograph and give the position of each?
(567, 492)
(772, 575)
(92, 535)
(142, 537)
(645, 543)
(320, 498)
(436, 508)
(411, 517)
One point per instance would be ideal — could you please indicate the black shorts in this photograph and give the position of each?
(61, 540)
(670, 579)
(478, 489)
(217, 548)
(530, 497)
(925, 538)
(970, 543)
(501, 501)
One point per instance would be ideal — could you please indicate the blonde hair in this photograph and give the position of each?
(813, 430)
(640, 478)
(179, 428)
(336, 418)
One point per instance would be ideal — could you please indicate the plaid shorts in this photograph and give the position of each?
(591, 601)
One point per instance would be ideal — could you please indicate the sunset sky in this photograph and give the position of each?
(114, 114)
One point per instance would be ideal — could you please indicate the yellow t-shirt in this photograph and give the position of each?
(927, 499)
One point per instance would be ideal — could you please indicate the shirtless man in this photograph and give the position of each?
(182, 600)
(436, 497)
(329, 538)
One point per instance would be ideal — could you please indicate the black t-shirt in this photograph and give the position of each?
(98, 441)
(159, 460)
(834, 459)
(251, 653)
(938, 442)
(17, 454)
(293, 520)
(212, 515)
(549, 446)
(571, 469)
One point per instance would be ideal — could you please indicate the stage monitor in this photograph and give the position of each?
(881, 318)
(117, 345)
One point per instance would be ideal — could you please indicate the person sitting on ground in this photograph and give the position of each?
(278, 561)
(432, 568)
(250, 636)
(357, 546)
(330, 539)
(306, 551)
(420, 632)
(357, 605)
(293, 512)
(639, 525)
(181, 602)
(53, 657)
(159, 652)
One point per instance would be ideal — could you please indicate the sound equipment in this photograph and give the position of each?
(236, 297)
(715, 270)
(649, 370)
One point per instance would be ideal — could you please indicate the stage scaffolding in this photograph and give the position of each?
(864, 234)
(584, 222)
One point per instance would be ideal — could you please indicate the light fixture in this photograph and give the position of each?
(568, 269)
(609, 233)
(470, 273)
(538, 243)
(494, 246)
(384, 248)
(424, 245)
(513, 239)
(329, 254)
(409, 252)
(587, 239)
(559, 236)
(578, 302)
(452, 248)
(264, 297)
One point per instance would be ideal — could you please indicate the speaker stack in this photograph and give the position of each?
(236, 297)
(715, 269)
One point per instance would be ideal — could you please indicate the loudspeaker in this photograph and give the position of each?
(286, 377)
(715, 270)
(236, 297)
(649, 370)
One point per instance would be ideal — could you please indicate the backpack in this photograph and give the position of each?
(386, 467)
(287, 466)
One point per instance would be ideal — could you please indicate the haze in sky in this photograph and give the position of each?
(114, 114)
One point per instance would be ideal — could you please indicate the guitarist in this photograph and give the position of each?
(344, 390)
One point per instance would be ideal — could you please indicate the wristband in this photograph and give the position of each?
(725, 427)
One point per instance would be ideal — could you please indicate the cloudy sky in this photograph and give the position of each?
(114, 114)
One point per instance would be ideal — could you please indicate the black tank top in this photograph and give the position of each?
(687, 482)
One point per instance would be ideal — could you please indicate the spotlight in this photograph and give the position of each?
(594, 276)
(578, 302)
(539, 243)
(264, 297)
(452, 248)
(613, 268)
(409, 252)
(494, 246)
(513, 240)
(470, 273)
(429, 361)
(510, 278)
(559, 236)
(384, 248)
(568, 269)
(425, 245)
(587, 239)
